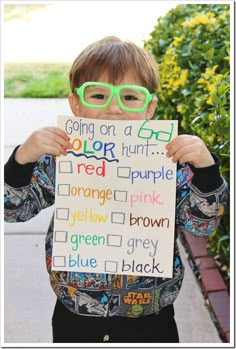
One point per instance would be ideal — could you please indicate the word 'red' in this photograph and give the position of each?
(90, 169)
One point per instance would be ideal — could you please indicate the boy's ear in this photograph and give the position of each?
(74, 104)
(151, 108)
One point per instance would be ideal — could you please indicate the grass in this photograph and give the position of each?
(19, 12)
(36, 80)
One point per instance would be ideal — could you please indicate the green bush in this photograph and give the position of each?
(191, 45)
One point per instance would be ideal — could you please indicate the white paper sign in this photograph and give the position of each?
(115, 198)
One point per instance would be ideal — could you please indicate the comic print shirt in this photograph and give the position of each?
(201, 195)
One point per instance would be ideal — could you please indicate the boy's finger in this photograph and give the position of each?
(58, 136)
(178, 140)
(57, 131)
(179, 144)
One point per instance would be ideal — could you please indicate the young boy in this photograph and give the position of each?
(90, 308)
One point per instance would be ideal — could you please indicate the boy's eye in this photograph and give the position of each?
(130, 98)
(98, 96)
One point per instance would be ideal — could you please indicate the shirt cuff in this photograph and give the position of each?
(17, 175)
(207, 179)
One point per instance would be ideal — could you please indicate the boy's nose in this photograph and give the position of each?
(113, 107)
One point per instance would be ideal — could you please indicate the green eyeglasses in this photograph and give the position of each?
(99, 94)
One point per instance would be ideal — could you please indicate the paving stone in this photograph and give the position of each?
(220, 303)
(227, 337)
(197, 245)
(205, 263)
(212, 280)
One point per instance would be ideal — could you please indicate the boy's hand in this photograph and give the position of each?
(191, 149)
(47, 140)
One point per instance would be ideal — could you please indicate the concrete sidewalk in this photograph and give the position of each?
(29, 299)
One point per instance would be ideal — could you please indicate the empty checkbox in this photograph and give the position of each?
(59, 261)
(65, 167)
(120, 195)
(62, 213)
(114, 240)
(60, 236)
(111, 266)
(123, 172)
(118, 217)
(63, 189)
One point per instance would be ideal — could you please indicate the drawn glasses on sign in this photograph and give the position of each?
(148, 133)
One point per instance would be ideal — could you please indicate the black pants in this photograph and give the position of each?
(72, 328)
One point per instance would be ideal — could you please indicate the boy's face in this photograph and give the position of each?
(113, 110)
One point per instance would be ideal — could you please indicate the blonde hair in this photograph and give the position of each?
(114, 58)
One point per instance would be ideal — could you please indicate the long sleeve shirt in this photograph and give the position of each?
(201, 196)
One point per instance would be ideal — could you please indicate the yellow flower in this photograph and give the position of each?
(211, 87)
(211, 139)
(223, 15)
(201, 81)
(176, 69)
(208, 74)
(183, 77)
(207, 18)
(177, 40)
(180, 108)
(210, 101)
